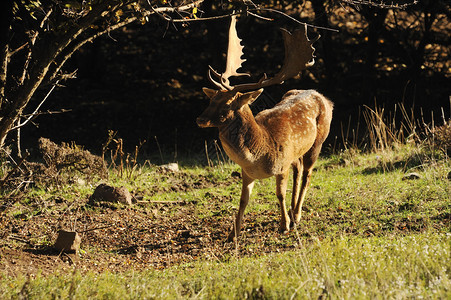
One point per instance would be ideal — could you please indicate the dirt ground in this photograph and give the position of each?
(121, 238)
(163, 232)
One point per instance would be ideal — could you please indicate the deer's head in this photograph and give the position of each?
(224, 106)
(228, 99)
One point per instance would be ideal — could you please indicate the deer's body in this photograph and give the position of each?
(289, 135)
(267, 145)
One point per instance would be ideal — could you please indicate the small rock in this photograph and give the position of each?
(172, 167)
(80, 181)
(68, 241)
(411, 176)
(108, 193)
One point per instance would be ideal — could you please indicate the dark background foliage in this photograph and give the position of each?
(144, 82)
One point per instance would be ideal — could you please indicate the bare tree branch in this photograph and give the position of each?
(71, 50)
(30, 46)
(45, 51)
(36, 111)
(380, 4)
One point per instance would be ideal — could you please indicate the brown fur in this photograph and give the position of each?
(289, 135)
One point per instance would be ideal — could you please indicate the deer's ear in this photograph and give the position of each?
(249, 97)
(209, 92)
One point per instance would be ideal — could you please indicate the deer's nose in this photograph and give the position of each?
(201, 121)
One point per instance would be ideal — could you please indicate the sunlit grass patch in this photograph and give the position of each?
(417, 266)
(366, 232)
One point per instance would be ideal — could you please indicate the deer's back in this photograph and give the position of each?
(295, 117)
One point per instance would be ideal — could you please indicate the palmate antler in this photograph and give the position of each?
(298, 56)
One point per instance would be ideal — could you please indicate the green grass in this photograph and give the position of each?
(399, 267)
(365, 233)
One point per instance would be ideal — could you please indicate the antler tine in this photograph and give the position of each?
(219, 84)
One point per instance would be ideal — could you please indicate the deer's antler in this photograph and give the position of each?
(234, 54)
(299, 54)
(234, 60)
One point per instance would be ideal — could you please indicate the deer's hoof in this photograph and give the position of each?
(232, 237)
(284, 229)
(294, 220)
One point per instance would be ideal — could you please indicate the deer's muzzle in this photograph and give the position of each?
(203, 122)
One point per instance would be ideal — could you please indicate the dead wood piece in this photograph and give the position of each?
(68, 241)
(411, 176)
(108, 193)
(163, 201)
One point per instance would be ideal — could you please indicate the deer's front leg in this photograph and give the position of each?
(246, 190)
(281, 188)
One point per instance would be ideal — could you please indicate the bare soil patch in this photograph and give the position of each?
(119, 238)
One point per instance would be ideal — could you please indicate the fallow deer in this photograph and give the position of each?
(289, 134)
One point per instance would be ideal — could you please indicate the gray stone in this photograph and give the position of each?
(172, 167)
(108, 193)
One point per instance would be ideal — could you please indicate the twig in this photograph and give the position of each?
(51, 112)
(206, 153)
(260, 17)
(25, 182)
(178, 8)
(11, 53)
(162, 201)
(19, 239)
(159, 149)
(295, 20)
(2, 182)
(70, 259)
(31, 44)
(380, 4)
(35, 112)
(250, 12)
(93, 37)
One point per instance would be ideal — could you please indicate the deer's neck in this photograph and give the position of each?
(243, 139)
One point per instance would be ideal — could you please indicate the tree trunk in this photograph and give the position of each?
(6, 15)
(39, 67)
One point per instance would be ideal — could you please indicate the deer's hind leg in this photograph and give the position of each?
(297, 170)
(281, 189)
(308, 161)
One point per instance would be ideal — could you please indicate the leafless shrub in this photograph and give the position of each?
(63, 162)
(440, 138)
(123, 163)
(385, 131)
